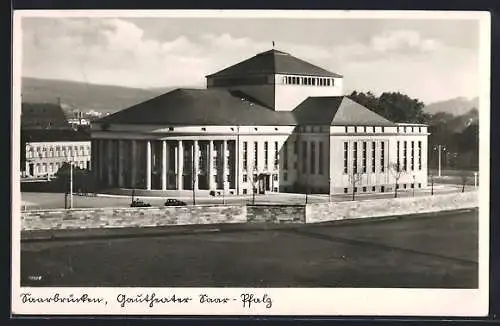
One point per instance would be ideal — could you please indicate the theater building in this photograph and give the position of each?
(272, 123)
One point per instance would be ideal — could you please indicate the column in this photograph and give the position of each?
(224, 164)
(133, 169)
(120, 163)
(164, 161)
(180, 164)
(148, 164)
(110, 162)
(318, 163)
(210, 163)
(196, 153)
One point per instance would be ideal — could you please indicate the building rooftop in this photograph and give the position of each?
(43, 116)
(274, 62)
(54, 135)
(192, 107)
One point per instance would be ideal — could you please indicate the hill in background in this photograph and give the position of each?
(456, 106)
(85, 97)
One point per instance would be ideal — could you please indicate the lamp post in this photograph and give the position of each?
(432, 184)
(439, 148)
(413, 185)
(475, 180)
(71, 184)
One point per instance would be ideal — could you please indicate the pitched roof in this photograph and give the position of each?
(54, 135)
(200, 107)
(337, 111)
(194, 107)
(275, 62)
(43, 116)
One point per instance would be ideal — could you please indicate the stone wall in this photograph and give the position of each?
(391, 206)
(219, 214)
(131, 217)
(276, 213)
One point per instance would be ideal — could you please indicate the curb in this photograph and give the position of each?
(134, 232)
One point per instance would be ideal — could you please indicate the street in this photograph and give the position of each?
(432, 251)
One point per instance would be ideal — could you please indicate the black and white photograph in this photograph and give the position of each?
(251, 162)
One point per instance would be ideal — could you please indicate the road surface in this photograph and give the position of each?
(434, 251)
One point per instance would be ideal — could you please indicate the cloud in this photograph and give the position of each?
(115, 51)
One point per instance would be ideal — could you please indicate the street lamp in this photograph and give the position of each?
(413, 186)
(439, 148)
(432, 184)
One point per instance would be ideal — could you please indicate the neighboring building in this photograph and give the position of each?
(271, 123)
(45, 151)
(43, 116)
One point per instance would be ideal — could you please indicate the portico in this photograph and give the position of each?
(168, 164)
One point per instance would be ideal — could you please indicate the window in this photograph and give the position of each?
(171, 129)
(364, 129)
(346, 153)
(412, 157)
(255, 155)
(320, 149)
(373, 156)
(304, 157)
(266, 154)
(245, 156)
(382, 189)
(373, 188)
(398, 150)
(420, 185)
(244, 191)
(355, 189)
(382, 129)
(382, 157)
(346, 129)
(355, 158)
(285, 176)
(275, 177)
(405, 157)
(404, 186)
(412, 185)
(420, 155)
(345, 190)
(285, 156)
(364, 157)
(245, 178)
(419, 129)
(276, 155)
(313, 158)
(364, 189)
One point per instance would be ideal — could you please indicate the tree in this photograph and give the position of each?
(396, 173)
(465, 179)
(354, 178)
(394, 106)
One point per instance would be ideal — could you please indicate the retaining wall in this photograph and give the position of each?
(276, 213)
(391, 206)
(219, 214)
(131, 217)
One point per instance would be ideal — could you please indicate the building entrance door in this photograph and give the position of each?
(31, 169)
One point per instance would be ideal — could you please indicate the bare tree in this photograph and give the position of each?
(355, 178)
(465, 178)
(254, 181)
(396, 173)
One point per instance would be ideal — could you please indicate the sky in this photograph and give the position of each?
(430, 59)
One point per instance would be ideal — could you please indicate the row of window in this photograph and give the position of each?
(308, 81)
(57, 151)
(381, 188)
(256, 155)
(371, 129)
(51, 168)
(402, 165)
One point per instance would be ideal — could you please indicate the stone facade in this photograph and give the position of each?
(276, 213)
(324, 212)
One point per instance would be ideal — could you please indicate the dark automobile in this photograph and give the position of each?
(139, 203)
(174, 202)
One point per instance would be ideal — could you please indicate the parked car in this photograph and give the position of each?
(139, 203)
(174, 202)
